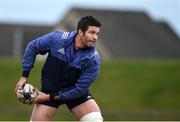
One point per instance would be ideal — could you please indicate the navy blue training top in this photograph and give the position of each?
(65, 71)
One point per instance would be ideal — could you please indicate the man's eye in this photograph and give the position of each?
(93, 32)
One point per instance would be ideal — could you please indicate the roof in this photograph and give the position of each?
(8, 33)
(130, 34)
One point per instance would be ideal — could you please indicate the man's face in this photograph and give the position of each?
(89, 37)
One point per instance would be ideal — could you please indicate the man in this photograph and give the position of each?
(70, 68)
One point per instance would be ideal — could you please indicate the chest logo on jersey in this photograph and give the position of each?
(61, 50)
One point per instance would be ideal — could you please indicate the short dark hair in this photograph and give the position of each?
(87, 21)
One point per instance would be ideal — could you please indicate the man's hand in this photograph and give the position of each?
(41, 97)
(21, 83)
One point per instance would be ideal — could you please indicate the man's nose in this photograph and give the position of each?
(95, 37)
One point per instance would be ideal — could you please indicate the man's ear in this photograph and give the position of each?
(80, 32)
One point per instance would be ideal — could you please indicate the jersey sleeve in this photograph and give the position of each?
(88, 75)
(40, 45)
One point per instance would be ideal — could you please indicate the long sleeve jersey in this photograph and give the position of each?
(66, 71)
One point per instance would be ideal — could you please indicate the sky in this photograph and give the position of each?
(49, 12)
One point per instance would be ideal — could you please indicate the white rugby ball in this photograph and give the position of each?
(27, 95)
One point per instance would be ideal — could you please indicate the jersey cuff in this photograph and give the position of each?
(25, 74)
(53, 95)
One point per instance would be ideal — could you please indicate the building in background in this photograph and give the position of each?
(14, 37)
(124, 34)
(128, 34)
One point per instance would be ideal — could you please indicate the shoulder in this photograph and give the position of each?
(58, 36)
(93, 55)
(64, 35)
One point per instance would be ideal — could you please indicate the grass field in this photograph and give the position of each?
(125, 90)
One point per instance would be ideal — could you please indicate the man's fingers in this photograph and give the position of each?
(21, 83)
(16, 88)
(19, 86)
(35, 101)
(38, 92)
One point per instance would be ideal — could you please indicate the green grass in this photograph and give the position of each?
(125, 90)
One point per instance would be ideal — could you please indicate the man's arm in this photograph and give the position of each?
(40, 45)
(89, 74)
(80, 88)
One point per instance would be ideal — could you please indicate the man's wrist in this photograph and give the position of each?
(54, 96)
(25, 74)
(23, 78)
